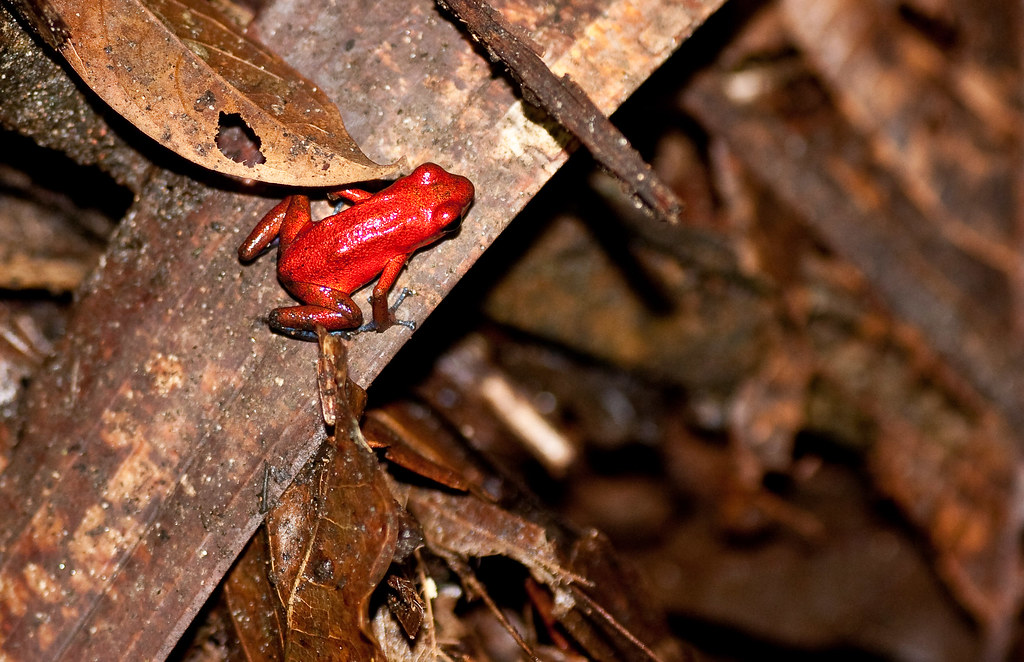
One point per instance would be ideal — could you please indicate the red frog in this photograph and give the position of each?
(322, 263)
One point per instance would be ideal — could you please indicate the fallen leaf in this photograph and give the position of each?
(193, 81)
(408, 444)
(406, 604)
(465, 526)
(251, 605)
(329, 542)
(964, 492)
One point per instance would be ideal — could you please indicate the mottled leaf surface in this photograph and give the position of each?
(330, 540)
(192, 80)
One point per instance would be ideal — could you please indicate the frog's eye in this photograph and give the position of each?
(451, 217)
(453, 225)
(427, 173)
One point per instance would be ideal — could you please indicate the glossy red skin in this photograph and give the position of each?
(322, 263)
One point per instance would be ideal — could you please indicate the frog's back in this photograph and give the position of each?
(342, 253)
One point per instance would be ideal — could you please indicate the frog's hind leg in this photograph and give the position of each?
(296, 218)
(282, 222)
(332, 309)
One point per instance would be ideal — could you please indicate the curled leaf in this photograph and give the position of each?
(193, 81)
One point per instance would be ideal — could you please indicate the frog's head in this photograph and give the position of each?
(445, 196)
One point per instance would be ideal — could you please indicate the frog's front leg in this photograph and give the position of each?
(332, 309)
(384, 315)
(354, 195)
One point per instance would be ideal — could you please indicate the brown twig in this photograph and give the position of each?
(567, 103)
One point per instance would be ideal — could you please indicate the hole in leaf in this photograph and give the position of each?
(237, 141)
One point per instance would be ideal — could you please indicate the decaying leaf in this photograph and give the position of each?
(406, 604)
(193, 81)
(461, 528)
(466, 526)
(964, 492)
(391, 428)
(251, 604)
(329, 542)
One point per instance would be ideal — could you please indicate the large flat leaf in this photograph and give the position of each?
(189, 78)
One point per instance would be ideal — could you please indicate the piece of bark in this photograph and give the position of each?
(48, 240)
(43, 102)
(139, 474)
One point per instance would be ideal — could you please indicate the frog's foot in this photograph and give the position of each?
(384, 318)
(300, 321)
(300, 334)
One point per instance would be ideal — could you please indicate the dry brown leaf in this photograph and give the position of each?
(964, 492)
(251, 605)
(464, 526)
(193, 81)
(408, 446)
(329, 542)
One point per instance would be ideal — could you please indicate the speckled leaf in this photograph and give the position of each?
(193, 81)
(333, 536)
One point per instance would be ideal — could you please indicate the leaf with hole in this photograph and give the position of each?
(193, 81)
